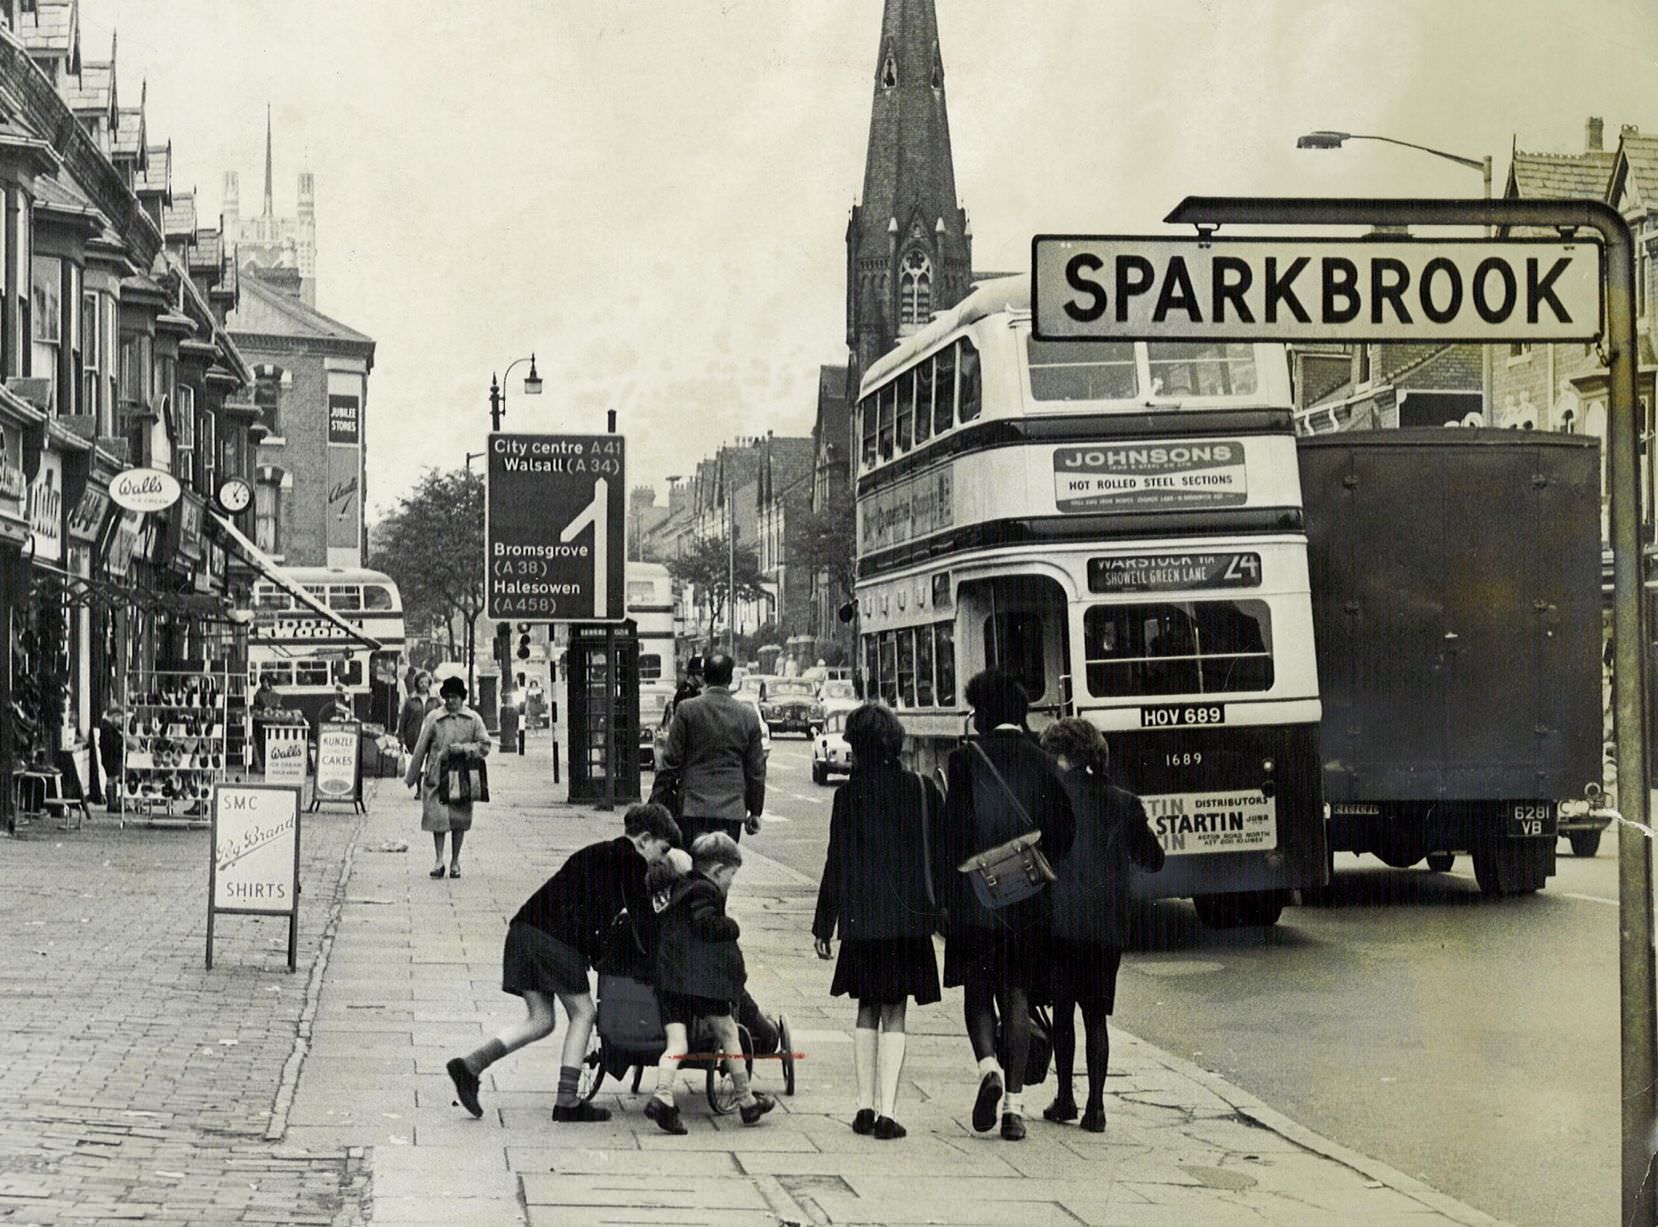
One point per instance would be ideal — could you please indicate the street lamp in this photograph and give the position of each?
(1323, 139)
(498, 390)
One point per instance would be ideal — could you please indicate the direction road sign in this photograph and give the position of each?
(1376, 289)
(553, 528)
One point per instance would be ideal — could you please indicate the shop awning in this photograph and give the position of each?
(87, 591)
(272, 571)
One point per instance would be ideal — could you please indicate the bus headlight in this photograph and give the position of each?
(1267, 765)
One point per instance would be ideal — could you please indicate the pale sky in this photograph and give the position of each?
(652, 194)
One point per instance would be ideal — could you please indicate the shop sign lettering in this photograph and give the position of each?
(145, 490)
(124, 543)
(1108, 475)
(337, 760)
(88, 515)
(1190, 823)
(255, 834)
(45, 509)
(285, 754)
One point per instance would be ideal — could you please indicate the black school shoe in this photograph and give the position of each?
(1013, 1127)
(466, 1086)
(580, 1112)
(984, 1107)
(1062, 1109)
(864, 1122)
(1093, 1120)
(666, 1116)
(762, 1104)
(886, 1129)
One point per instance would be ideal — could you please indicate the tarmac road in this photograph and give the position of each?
(1471, 1043)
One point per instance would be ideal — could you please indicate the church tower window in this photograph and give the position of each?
(915, 291)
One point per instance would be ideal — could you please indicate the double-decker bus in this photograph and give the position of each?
(1118, 524)
(306, 656)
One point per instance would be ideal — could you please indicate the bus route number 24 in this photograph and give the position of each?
(1175, 714)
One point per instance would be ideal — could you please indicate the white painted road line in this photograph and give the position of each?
(1563, 894)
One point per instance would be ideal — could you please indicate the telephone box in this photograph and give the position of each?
(603, 680)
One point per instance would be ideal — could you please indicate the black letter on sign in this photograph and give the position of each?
(1128, 287)
(1441, 315)
(1177, 294)
(1279, 291)
(1511, 290)
(1232, 278)
(1341, 278)
(1075, 268)
(1537, 291)
(1389, 289)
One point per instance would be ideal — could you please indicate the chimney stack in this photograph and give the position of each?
(1592, 134)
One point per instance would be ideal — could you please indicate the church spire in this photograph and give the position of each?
(268, 209)
(909, 252)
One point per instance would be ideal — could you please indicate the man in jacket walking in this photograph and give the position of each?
(716, 759)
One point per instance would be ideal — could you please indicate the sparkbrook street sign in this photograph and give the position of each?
(553, 528)
(1376, 289)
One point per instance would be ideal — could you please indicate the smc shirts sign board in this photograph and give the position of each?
(255, 849)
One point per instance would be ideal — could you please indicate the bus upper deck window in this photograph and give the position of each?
(870, 413)
(906, 409)
(923, 402)
(969, 398)
(944, 395)
(1090, 370)
(1201, 368)
(377, 596)
(345, 596)
(888, 396)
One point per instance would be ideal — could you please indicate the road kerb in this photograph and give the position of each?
(1253, 1109)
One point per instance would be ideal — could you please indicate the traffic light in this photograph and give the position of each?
(523, 641)
(503, 643)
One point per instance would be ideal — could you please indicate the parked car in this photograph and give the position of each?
(831, 754)
(834, 695)
(787, 707)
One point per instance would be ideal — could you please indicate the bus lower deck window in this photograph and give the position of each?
(1184, 647)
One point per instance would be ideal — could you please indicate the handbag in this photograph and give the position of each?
(463, 779)
(1041, 1051)
(1010, 872)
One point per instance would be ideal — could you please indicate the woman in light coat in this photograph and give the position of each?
(455, 727)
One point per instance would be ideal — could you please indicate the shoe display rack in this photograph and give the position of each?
(175, 746)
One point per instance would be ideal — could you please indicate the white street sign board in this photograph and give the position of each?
(554, 525)
(1376, 289)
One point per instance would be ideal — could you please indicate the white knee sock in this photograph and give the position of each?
(988, 1065)
(892, 1066)
(863, 1065)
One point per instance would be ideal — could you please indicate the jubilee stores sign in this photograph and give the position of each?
(1373, 289)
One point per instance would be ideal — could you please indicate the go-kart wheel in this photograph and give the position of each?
(722, 1092)
(785, 1047)
(592, 1070)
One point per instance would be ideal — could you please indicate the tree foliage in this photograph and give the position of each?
(708, 564)
(826, 540)
(432, 546)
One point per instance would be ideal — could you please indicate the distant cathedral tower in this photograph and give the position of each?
(909, 251)
(283, 248)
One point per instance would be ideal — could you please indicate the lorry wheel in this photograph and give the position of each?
(1441, 862)
(1241, 909)
(1584, 843)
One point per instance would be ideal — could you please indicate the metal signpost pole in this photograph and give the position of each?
(1639, 1012)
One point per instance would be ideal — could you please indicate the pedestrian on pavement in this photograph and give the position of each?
(1090, 904)
(699, 975)
(420, 704)
(555, 938)
(877, 891)
(715, 759)
(111, 753)
(999, 784)
(454, 727)
(691, 687)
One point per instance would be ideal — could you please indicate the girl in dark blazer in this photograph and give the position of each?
(999, 957)
(1090, 909)
(877, 891)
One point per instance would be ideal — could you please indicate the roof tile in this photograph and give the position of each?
(1562, 176)
(180, 216)
(265, 311)
(49, 30)
(90, 90)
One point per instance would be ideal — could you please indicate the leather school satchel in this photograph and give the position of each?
(1010, 872)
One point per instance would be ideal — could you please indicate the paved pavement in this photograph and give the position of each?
(138, 1085)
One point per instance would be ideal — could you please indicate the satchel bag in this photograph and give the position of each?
(1010, 872)
(1041, 1051)
(463, 779)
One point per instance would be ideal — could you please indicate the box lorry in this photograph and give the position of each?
(1457, 612)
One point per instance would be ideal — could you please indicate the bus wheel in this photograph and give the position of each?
(1513, 866)
(1241, 909)
(1441, 862)
(1584, 843)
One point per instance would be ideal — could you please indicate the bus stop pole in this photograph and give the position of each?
(1638, 1009)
